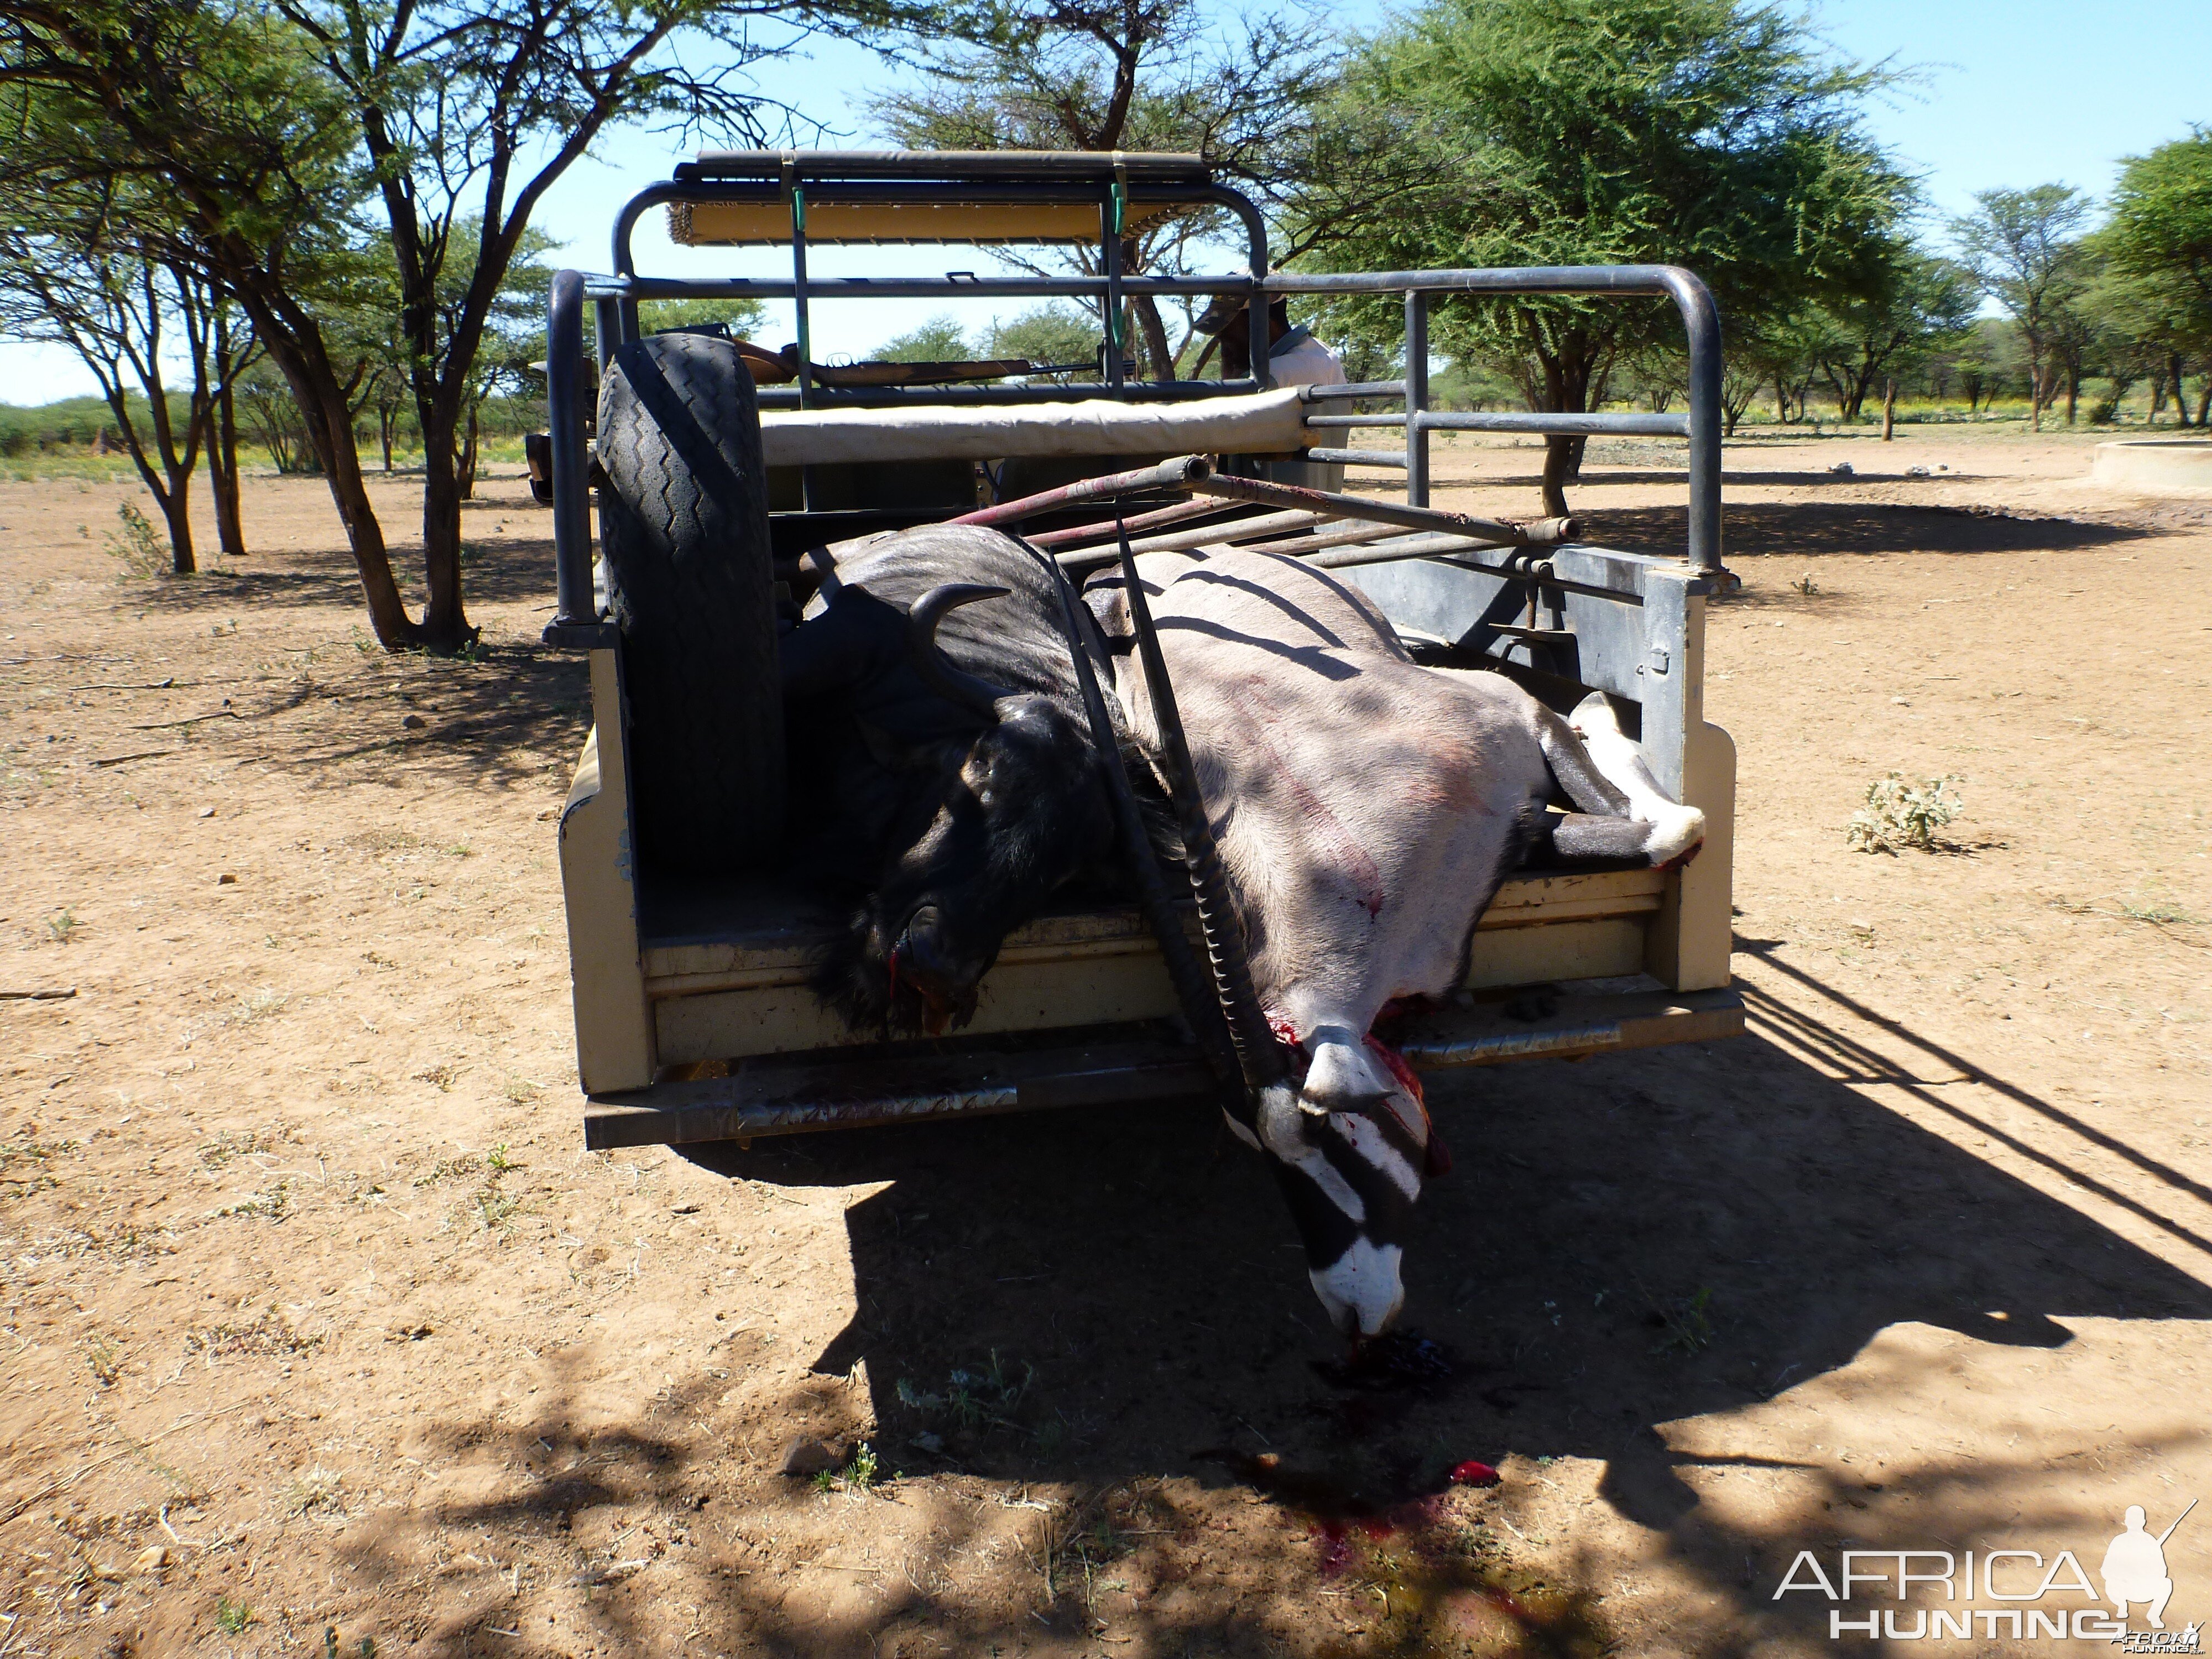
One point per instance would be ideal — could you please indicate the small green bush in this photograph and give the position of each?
(1898, 815)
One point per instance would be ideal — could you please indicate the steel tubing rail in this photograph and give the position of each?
(1320, 394)
(1518, 565)
(1106, 529)
(1566, 425)
(1183, 541)
(1336, 535)
(572, 506)
(909, 288)
(1183, 472)
(1106, 288)
(1393, 458)
(1536, 532)
(954, 166)
(1700, 321)
(1315, 422)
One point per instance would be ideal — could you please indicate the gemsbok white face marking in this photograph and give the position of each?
(1371, 1144)
(1362, 1289)
(1288, 1131)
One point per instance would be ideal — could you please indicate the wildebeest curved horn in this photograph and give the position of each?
(936, 669)
(1257, 1052)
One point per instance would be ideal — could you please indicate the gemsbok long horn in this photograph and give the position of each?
(1195, 992)
(1258, 1053)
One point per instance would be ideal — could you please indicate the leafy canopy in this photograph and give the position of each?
(940, 340)
(2159, 242)
(1713, 134)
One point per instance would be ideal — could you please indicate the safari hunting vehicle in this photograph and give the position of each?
(695, 1017)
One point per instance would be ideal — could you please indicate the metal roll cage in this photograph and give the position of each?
(1116, 182)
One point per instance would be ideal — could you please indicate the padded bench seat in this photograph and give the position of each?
(1261, 423)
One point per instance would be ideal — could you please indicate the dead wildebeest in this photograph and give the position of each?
(943, 771)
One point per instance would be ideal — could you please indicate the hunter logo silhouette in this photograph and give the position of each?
(2134, 1566)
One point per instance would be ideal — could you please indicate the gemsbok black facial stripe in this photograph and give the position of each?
(1384, 1204)
(1377, 1148)
(1323, 1229)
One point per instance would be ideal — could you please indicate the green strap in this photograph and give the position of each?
(1119, 196)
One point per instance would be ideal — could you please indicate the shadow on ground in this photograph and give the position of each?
(1753, 529)
(506, 572)
(1101, 1303)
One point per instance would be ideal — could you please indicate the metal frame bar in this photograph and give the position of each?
(1701, 324)
(1416, 394)
(616, 299)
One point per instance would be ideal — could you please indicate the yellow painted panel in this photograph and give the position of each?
(614, 1030)
(1569, 949)
(1094, 990)
(780, 1019)
(699, 224)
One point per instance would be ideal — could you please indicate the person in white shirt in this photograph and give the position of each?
(1295, 358)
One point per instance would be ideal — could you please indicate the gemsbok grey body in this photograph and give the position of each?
(1366, 809)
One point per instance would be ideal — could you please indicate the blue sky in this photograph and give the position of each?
(2010, 93)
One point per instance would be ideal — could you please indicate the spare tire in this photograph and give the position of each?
(690, 584)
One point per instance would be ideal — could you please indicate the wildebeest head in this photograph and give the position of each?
(997, 818)
(1352, 1147)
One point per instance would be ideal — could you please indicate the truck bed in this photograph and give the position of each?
(1078, 1012)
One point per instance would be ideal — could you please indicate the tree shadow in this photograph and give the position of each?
(499, 719)
(512, 570)
(1816, 529)
(1107, 1308)
(1109, 1305)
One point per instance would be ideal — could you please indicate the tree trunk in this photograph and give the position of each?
(176, 508)
(2180, 388)
(468, 470)
(1556, 463)
(386, 416)
(221, 438)
(1851, 396)
(329, 423)
(2157, 395)
(222, 475)
(445, 621)
(2204, 402)
(169, 486)
(2073, 391)
(1154, 333)
(1888, 407)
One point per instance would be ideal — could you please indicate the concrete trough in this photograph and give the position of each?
(2154, 465)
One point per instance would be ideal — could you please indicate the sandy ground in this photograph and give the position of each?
(322, 1335)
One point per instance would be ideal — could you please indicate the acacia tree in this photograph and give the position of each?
(1715, 134)
(2158, 247)
(134, 321)
(241, 163)
(1107, 75)
(1917, 304)
(2023, 250)
(264, 138)
(467, 111)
